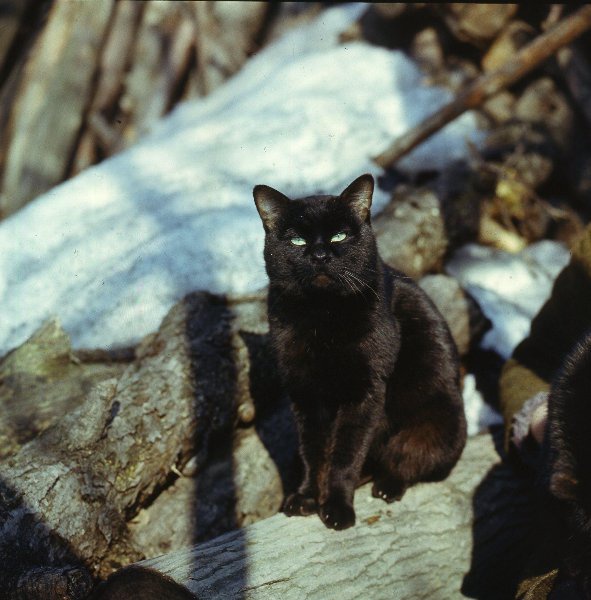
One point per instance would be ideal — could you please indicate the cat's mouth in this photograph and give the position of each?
(322, 280)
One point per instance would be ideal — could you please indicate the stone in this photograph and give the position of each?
(477, 23)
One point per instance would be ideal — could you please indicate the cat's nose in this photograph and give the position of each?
(319, 253)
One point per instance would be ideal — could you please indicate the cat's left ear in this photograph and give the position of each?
(359, 194)
(270, 203)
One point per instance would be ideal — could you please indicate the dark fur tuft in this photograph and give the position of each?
(568, 456)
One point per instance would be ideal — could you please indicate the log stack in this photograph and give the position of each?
(184, 445)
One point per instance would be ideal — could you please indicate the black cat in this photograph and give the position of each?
(567, 457)
(368, 361)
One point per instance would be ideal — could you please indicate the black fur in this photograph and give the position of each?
(368, 361)
(568, 458)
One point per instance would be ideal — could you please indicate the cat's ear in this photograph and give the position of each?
(270, 203)
(358, 194)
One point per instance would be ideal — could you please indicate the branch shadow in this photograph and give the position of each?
(214, 374)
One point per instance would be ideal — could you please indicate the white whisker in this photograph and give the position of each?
(363, 283)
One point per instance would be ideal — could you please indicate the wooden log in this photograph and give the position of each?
(422, 547)
(113, 63)
(49, 583)
(575, 67)
(66, 495)
(42, 135)
(149, 83)
(489, 84)
(225, 34)
(12, 22)
(42, 380)
(476, 23)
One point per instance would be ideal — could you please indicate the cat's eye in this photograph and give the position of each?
(298, 241)
(338, 237)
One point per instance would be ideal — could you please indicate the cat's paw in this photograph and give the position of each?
(337, 514)
(299, 505)
(388, 489)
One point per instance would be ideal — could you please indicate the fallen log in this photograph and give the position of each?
(422, 547)
(66, 496)
(489, 84)
(68, 49)
(41, 381)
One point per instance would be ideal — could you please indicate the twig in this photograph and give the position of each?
(489, 84)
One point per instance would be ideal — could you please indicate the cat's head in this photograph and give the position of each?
(320, 243)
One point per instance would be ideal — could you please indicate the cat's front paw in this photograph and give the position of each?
(388, 489)
(299, 505)
(337, 514)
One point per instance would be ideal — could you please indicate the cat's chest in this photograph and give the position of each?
(311, 345)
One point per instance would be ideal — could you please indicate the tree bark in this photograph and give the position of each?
(42, 380)
(421, 547)
(66, 496)
(68, 48)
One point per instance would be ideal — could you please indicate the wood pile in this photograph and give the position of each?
(110, 458)
(80, 81)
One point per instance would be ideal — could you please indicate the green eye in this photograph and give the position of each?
(298, 241)
(338, 237)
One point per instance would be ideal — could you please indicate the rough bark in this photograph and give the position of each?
(67, 494)
(41, 381)
(421, 547)
(411, 232)
(71, 39)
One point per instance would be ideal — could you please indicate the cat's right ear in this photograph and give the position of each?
(358, 194)
(270, 203)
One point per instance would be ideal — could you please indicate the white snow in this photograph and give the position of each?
(110, 251)
(479, 414)
(510, 288)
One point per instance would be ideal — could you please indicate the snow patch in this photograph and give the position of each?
(510, 288)
(479, 414)
(110, 251)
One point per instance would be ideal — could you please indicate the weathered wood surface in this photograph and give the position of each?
(68, 493)
(41, 381)
(86, 80)
(39, 124)
(464, 536)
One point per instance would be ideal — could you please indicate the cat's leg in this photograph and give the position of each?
(350, 439)
(304, 502)
(419, 453)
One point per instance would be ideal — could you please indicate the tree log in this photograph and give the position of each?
(42, 380)
(66, 496)
(67, 48)
(422, 547)
(489, 84)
